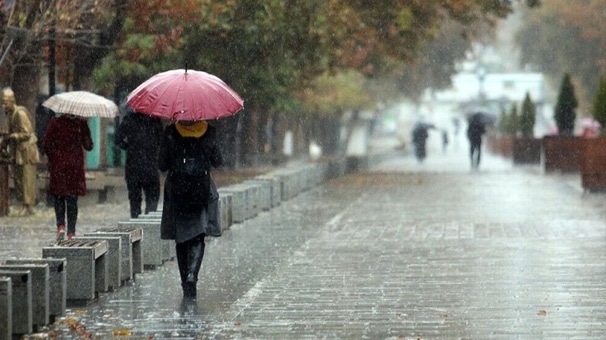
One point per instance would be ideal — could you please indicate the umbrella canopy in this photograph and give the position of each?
(482, 117)
(424, 125)
(82, 103)
(185, 95)
(590, 123)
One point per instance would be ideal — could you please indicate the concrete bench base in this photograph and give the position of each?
(39, 283)
(56, 280)
(86, 272)
(152, 251)
(114, 258)
(132, 258)
(6, 307)
(21, 282)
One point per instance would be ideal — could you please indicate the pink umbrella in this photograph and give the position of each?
(590, 123)
(185, 95)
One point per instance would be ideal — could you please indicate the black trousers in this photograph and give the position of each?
(474, 154)
(66, 205)
(136, 188)
(189, 260)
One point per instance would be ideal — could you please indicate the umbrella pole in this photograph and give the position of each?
(4, 189)
(4, 178)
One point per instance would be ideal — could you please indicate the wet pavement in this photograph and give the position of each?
(403, 251)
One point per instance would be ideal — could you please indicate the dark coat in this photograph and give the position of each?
(140, 136)
(475, 130)
(179, 222)
(64, 143)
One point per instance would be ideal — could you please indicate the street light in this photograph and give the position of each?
(481, 73)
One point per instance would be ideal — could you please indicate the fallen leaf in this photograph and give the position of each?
(122, 332)
(542, 313)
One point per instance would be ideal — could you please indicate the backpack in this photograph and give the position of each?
(190, 171)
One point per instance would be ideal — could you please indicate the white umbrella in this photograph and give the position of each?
(82, 103)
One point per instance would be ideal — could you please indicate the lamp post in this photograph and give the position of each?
(481, 73)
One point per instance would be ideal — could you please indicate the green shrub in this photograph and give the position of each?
(511, 121)
(566, 105)
(599, 104)
(527, 117)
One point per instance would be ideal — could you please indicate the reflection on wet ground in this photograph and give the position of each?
(399, 252)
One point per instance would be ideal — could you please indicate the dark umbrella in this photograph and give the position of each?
(482, 117)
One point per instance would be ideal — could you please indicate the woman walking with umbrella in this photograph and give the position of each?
(65, 140)
(67, 137)
(188, 150)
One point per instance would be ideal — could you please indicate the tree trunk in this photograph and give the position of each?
(250, 133)
(328, 135)
(25, 86)
(282, 125)
(301, 132)
(229, 139)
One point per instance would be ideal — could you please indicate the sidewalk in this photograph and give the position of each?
(404, 251)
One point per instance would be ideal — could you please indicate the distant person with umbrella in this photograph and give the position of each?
(419, 140)
(140, 136)
(475, 129)
(65, 140)
(188, 150)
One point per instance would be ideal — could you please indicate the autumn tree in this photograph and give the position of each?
(82, 32)
(146, 47)
(566, 35)
(271, 50)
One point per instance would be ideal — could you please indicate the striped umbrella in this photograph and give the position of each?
(82, 103)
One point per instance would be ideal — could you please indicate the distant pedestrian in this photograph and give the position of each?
(188, 151)
(444, 140)
(140, 136)
(22, 147)
(475, 130)
(64, 142)
(419, 140)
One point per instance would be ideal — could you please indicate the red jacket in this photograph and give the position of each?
(64, 143)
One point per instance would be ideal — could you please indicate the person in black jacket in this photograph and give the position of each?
(475, 129)
(140, 136)
(188, 151)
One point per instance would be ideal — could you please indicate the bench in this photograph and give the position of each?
(132, 258)
(21, 285)
(6, 308)
(264, 194)
(288, 184)
(225, 206)
(86, 268)
(39, 283)
(238, 202)
(275, 185)
(101, 187)
(168, 251)
(56, 283)
(152, 251)
(114, 258)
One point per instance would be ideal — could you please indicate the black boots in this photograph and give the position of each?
(189, 260)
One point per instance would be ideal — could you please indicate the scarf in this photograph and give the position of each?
(196, 130)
